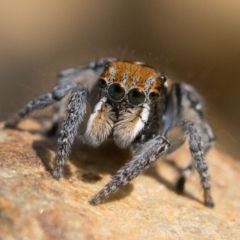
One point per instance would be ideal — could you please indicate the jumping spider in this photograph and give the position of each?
(137, 107)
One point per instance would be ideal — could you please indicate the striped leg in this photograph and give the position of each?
(132, 169)
(185, 108)
(74, 115)
(199, 161)
(39, 103)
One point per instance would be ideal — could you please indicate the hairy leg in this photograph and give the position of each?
(199, 161)
(74, 115)
(185, 107)
(39, 103)
(208, 140)
(132, 169)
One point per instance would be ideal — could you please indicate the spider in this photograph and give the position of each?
(136, 106)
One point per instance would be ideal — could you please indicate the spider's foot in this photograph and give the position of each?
(57, 174)
(208, 201)
(95, 200)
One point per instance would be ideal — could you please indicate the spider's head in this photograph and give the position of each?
(128, 91)
(133, 83)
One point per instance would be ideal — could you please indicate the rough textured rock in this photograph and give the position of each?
(35, 206)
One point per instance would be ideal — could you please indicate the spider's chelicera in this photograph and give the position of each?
(138, 107)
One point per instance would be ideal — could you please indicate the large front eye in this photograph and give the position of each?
(154, 96)
(116, 91)
(136, 96)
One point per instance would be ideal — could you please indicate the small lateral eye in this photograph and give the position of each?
(116, 91)
(153, 96)
(102, 83)
(163, 78)
(136, 96)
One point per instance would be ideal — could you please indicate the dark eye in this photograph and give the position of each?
(116, 91)
(163, 78)
(102, 83)
(153, 96)
(136, 96)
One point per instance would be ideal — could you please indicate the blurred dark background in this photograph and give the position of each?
(193, 41)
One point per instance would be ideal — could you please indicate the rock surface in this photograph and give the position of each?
(35, 206)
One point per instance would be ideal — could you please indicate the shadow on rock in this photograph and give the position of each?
(152, 172)
(89, 163)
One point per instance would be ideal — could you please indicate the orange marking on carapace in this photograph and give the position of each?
(133, 71)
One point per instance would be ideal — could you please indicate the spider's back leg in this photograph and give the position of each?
(40, 102)
(185, 108)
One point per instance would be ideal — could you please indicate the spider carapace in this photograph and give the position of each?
(137, 107)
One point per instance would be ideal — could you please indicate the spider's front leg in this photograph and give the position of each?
(140, 162)
(74, 115)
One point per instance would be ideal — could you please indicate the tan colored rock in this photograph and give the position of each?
(35, 206)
